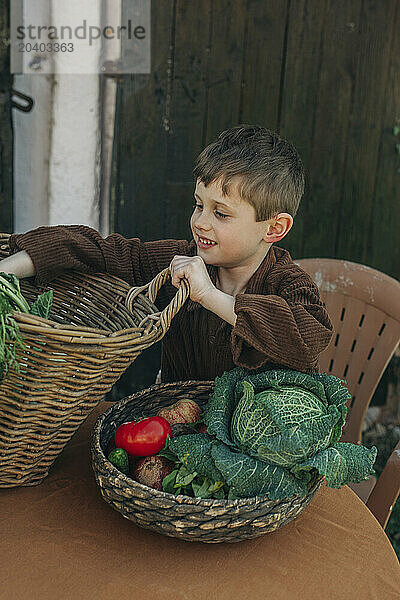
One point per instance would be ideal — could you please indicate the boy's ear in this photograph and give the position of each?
(278, 227)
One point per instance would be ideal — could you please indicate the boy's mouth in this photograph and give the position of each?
(204, 242)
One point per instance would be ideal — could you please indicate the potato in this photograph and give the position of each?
(183, 411)
(151, 470)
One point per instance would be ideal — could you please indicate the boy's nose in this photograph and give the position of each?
(202, 222)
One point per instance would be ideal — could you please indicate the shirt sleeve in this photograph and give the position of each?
(55, 249)
(290, 329)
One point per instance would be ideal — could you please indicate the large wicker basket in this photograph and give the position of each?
(193, 519)
(97, 327)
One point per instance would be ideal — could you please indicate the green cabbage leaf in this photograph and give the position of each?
(340, 463)
(267, 431)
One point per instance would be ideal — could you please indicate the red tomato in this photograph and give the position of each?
(144, 438)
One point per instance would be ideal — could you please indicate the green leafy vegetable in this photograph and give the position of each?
(11, 299)
(268, 431)
(9, 287)
(10, 338)
(282, 425)
(194, 451)
(42, 305)
(248, 476)
(340, 463)
(184, 479)
(168, 482)
(201, 490)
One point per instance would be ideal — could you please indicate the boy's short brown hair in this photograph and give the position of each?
(270, 168)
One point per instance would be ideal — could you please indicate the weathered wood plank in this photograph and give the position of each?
(299, 93)
(6, 138)
(263, 59)
(188, 106)
(225, 67)
(328, 145)
(143, 130)
(383, 239)
(375, 27)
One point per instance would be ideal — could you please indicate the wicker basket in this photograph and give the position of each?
(193, 519)
(98, 325)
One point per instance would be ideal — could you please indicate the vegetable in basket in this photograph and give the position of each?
(154, 470)
(119, 458)
(183, 411)
(151, 471)
(266, 432)
(11, 299)
(192, 483)
(144, 438)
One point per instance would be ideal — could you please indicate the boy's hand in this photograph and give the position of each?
(194, 270)
(19, 264)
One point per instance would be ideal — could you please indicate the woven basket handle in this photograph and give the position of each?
(163, 318)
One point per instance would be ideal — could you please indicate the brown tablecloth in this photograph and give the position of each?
(61, 540)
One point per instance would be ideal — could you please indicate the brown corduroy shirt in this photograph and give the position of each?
(281, 319)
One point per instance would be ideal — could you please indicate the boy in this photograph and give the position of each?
(249, 304)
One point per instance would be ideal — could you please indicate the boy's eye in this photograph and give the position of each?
(219, 214)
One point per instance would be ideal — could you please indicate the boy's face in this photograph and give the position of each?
(231, 223)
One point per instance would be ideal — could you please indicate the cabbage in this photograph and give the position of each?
(283, 425)
(266, 432)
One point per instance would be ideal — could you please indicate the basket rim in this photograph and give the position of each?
(129, 482)
(150, 329)
(32, 323)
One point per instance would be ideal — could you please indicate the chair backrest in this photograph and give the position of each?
(364, 307)
(386, 491)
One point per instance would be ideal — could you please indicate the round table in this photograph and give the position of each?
(61, 540)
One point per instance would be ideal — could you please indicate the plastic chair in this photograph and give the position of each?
(364, 306)
(385, 492)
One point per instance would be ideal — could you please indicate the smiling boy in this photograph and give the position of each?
(249, 304)
(237, 246)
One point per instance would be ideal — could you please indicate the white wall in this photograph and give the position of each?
(57, 146)
(74, 160)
